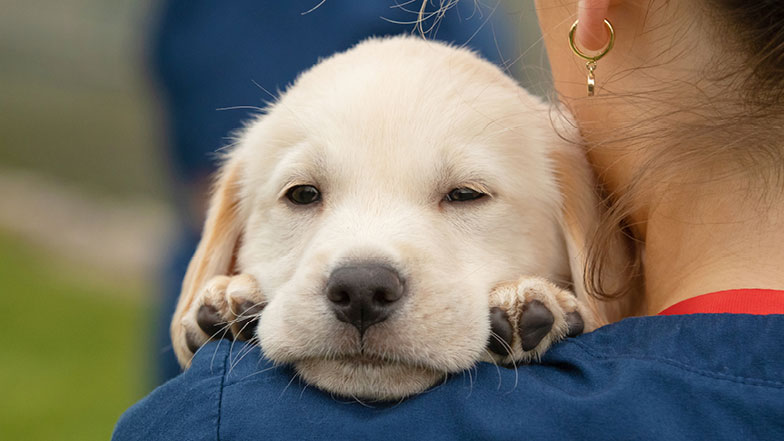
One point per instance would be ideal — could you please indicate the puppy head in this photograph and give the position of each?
(406, 169)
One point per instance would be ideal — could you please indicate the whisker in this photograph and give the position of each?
(261, 371)
(470, 382)
(246, 349)
(221, 109)
(506, 345)
(293, 377)
(302, 392)
(212, 337)
(313, 8)
(497, 368)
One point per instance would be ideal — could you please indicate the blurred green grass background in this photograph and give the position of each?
(71, 353)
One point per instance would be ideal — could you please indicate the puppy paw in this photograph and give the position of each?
(528, 316)
(227, 307)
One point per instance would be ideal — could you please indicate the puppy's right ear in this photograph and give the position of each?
(581, 214)
(216, 253)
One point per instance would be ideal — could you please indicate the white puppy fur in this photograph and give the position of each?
(385, 131)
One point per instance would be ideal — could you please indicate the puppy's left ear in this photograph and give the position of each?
(216, 253)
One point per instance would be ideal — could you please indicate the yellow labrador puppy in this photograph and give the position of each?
(403, 211)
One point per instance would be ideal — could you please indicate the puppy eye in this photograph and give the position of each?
(303, 194)
(463, 195)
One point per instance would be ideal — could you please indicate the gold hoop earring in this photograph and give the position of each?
(591, 60)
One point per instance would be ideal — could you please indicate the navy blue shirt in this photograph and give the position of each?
(704, 376)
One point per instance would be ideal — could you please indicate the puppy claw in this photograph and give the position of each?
(528, 316)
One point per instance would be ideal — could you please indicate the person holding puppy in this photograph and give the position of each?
(684, 132)
(679, 105)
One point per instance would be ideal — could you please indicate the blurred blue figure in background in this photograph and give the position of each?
(208, 55)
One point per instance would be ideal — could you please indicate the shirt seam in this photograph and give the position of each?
(759, 382)
(220, 397)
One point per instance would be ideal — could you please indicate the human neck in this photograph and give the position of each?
(713, 237)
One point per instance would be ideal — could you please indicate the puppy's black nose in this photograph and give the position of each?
(364, 295)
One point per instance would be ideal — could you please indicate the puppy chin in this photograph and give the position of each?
(367, 379)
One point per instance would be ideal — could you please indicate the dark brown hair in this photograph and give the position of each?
(759, 27)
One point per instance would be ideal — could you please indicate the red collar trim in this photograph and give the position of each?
(736, 301)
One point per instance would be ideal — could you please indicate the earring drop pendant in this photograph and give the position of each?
(591, 66)
(591, 60)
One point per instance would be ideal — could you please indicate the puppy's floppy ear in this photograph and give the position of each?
(581, 213)
(215, 254)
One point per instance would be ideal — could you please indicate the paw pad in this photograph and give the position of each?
(529, 315)
(536, 322)
(500, 340)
